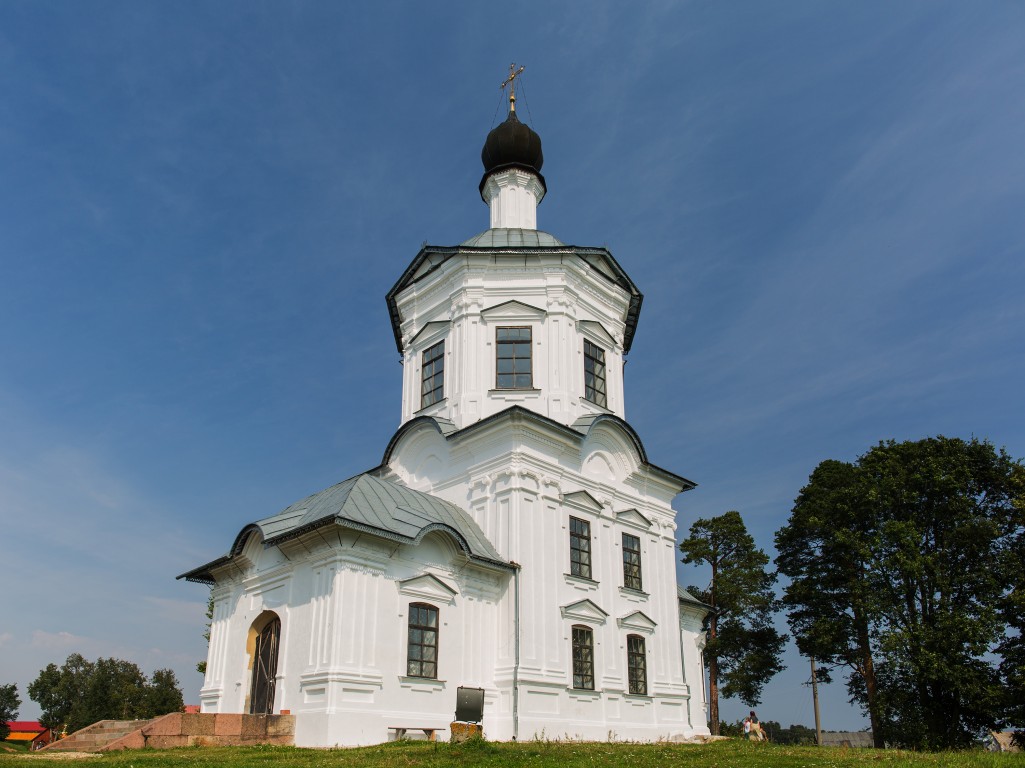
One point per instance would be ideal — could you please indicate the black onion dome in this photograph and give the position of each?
(512, 145)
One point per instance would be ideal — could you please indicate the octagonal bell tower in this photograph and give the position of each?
(513, 316)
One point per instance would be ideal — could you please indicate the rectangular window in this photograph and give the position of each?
(631, 562)
(422, 647)
(512, 358)
(594, 374)
(583, 658)
(432, 375)
(637, 665)
(579, 548)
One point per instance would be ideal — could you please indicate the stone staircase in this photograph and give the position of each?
(95, 737)
(179, 730)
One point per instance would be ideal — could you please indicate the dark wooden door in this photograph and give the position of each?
(265, 667)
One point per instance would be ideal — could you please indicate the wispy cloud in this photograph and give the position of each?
(58, 640)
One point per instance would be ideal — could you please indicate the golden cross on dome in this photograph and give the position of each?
(511, 82)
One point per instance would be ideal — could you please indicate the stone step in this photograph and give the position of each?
(94, 737)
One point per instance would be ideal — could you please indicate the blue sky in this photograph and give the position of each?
(203, 204)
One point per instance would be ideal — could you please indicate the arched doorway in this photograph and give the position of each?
(265, 664)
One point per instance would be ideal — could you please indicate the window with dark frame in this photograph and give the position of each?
(512, 358)
(579, 548)
(594, 374)
(583, 658)
(432, 375)
(631, 562)
(637, 665)
(422, 647)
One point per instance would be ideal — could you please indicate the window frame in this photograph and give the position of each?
(633, 577)
(582, 657)
(423, 628)
(580, 544)
(500, 343)
(594, 358)
(437, 374)
(637, 665)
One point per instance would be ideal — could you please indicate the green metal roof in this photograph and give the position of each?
(372, 505)
(512, 238)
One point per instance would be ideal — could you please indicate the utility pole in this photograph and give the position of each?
(815, 699)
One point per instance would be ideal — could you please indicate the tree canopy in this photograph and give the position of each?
(744, 649)
(10, 702)
(903, 573)
(82, 692)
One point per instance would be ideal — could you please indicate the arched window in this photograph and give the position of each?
(637, 665)
(422, 645)
(583, 658)
(265, 637)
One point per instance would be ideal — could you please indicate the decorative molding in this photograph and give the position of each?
(639, 621)
(584, 610)
(351, 675)
(429, 587)
(438, 327)
(633, 518)
(582, 500)
(512, 310)
(598, 331)
(264, 582)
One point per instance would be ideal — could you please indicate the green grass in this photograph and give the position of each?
(536, 754)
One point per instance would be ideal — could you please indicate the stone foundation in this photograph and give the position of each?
(209, 730)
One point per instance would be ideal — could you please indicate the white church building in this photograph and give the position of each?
(515, 538)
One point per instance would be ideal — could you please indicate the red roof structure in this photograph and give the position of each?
(30, 731)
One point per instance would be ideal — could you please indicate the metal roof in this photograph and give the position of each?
(513, 238)
(686, 597)
(372, 505)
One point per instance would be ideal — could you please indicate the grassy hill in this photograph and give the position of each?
(538, 754)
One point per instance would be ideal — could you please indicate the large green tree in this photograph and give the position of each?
(9, 704)
(902, 571)
(825, 549)
(82, 692)
(163, 693)
(744, 649)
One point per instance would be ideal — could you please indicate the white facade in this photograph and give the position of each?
(540, 474)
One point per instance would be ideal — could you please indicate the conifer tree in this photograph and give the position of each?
(744, 649)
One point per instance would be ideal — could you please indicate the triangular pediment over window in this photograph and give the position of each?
(597, 330)
(584, 610)
(430, 329)
(512, 310)
(638, 621)
(429, 264)
(633, 517)
(429, 587)
(601, 264)
(582, 499)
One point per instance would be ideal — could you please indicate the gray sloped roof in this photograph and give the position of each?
(686, 597)
(370, 504)
(512, 238)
